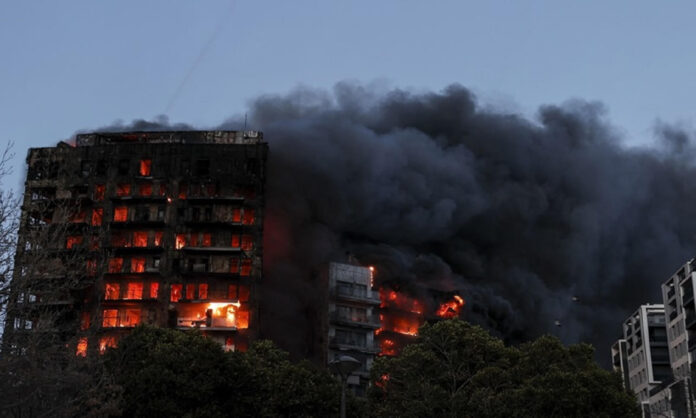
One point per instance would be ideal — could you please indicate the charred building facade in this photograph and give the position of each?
(163, 228)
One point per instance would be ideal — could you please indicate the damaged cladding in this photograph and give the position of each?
(172, 226)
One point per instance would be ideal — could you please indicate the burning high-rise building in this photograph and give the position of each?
(161, 228)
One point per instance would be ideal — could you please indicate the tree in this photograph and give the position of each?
(459, 370)
(165, 372)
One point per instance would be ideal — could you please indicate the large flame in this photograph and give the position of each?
(450, 309)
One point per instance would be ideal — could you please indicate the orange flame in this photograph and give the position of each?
(450, 309)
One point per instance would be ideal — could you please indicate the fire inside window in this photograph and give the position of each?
(145, 167)
(135, 291)
(109, 318)
(79, 216)
(112, 291)
(236, 215)
(235, 241)
(138, 265)
(158, 239)
(175, 295)
(145, 189)
(99, 192)
(115, 265)
(73, 241)
(246, 267)
(203, 291)
(97, 216)
(180, 241)
(140, 239)
(123, 189)
(106, 342)
(154, 289)
(121, 214)
(247, 243)
(206, 241)
(81, 347)
(248, 217)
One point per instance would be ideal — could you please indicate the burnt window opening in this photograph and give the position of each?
(185, 167)
(196, 214)
(142, 213)
(160, 213)
(145, 189)
(155, 263)
(85, 168)
(123, 189)
(202, 167)
(252, 166)
(43, 193)
(99, 192)
(208, 215)
(123, 167)
(101, 168)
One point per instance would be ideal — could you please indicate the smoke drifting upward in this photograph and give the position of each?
(520, 216)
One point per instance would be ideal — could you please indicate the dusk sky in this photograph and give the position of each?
(76, 65)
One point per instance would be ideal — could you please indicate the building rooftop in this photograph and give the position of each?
(170, 137)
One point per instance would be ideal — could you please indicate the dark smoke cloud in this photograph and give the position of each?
(518, 215)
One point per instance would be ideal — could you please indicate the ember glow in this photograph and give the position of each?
(400, 301)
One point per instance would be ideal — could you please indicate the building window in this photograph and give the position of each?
(138, 265)
(245, 270)
(248, 217)
(247, 243)
(101, 167)
(119, 239)
(145, 189)
(162, 189)
(235, 241)
(175, 295)
(132, 318)
(106, 342)
(202, 167)
(85, 321)
(203, 291)
(154, 289)
(140, 239)
(180, 241)
(115, 265)
(158, 239)
(211, 189)
(123, 167)
(243, 294)
(236, 215)
(86, 168)
(121, 214)
(123, 189)
(73, 241)
(99, 192)
(232, 292)
(145, 167)
(97, 216)
(82, 347)
(206, 241)
(183, 190)
(112, 291)
(234, 265)
(109, 318)
(79, 216)
(135, 291)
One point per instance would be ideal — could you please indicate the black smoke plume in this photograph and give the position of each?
(532, 221)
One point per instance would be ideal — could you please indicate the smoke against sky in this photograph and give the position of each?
(520, 216)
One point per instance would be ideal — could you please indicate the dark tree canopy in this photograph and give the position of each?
(459, 370)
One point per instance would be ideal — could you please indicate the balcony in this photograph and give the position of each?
(368, 321)
(353, 345)
(355, 296)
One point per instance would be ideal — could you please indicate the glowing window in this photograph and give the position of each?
(247, 242)
(190, 290)
(121, 214)
(158, 239)
(73, 241)
(115, 265)
(140, 239)
(99, 191)
(106, 342)
(112, 291)
(234, 265)
(145, 189)
(175, 295)
(135, 291)
(109, 318)
(237, 215)
(203, 291)
(193, 240)
(248, 217)
(132, 318)
(245, 270)
(207, 240)
(235, 241)
(123, 189)
(243, 294)
(85, 321)
(82, 347)
(183, 190)
(180, 241)
(242, 319)
(79, 216)
(232, 292)
(97, 216)
(145, 167)
(154, 289)
(91, 267)
(137, 265)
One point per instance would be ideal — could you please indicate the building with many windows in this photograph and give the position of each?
(125, 228)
